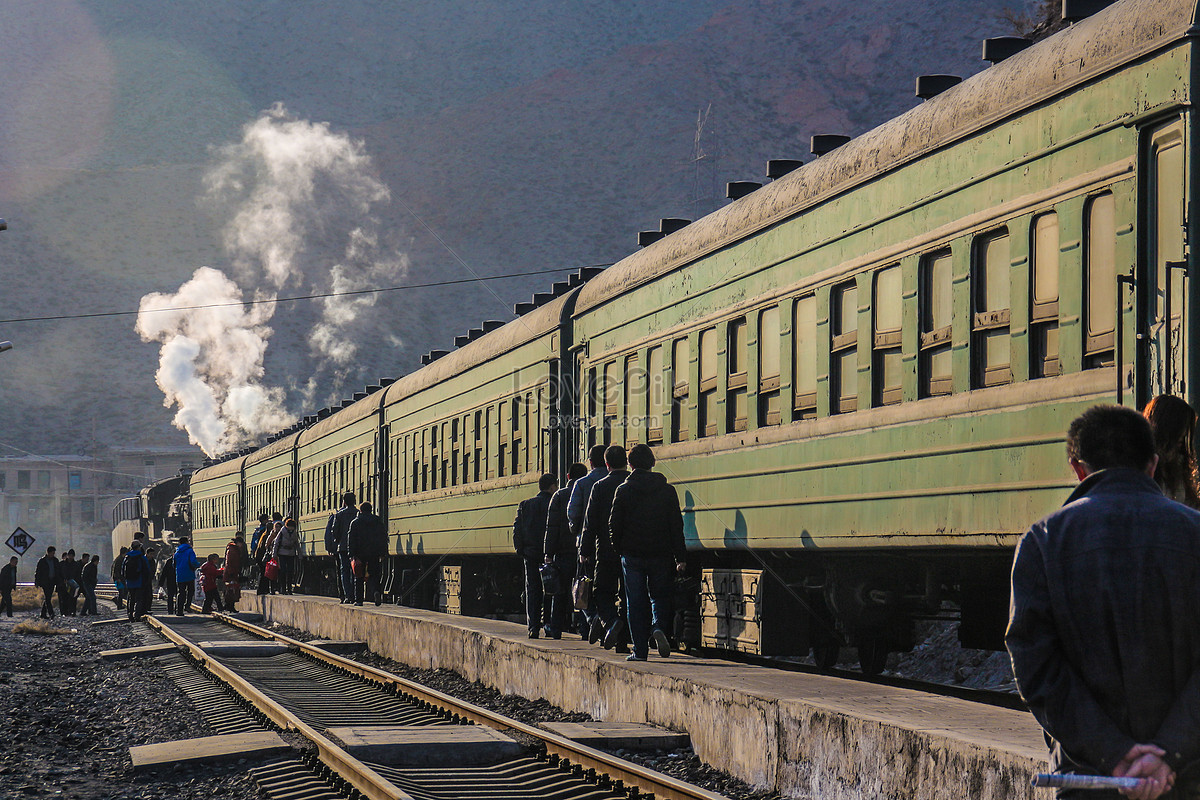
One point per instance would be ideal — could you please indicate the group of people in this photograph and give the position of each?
(356, 536)
(69, 578)
(618, 527)
(275, 544)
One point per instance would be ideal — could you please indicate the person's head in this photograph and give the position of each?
(289, 523)
(596, 456)
(50, 551)
(95, 559)
(1108, 437)
(276, 516)
(615, 458)
(124, 550)
(212, 558)
(348, 500)
(239, 537)
(13, 560)
(548, 482)
(85, 557)
(641, 457)
(69, 555)
(150, 551)
(263, 519)
(365, 507)
(183, 540)
(1173, 423)
(137, 535)
(137, 545)
(576, 471)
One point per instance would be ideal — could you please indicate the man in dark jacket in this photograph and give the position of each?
(647, 533)
(186, 565)
(1102, 633)
(118, 575)
(137, 573)
(529, 538)
(367, 543)
(599, 558)
(561, 550)
(46, 576)
(8, 584)
(341, 527)
(166, 582)
(87, 584)
(68, 583)
(577, 505)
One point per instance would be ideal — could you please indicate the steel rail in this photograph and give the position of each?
(663, 787)
(362, 777)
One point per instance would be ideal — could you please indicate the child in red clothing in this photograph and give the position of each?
(208, 582)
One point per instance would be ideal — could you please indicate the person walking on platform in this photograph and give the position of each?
(148, 584)
(561, 550)
(285, 549)
(1173, 422)
(209, 571)
(8, 584)
(341, 527)
(68, 583)
(367, 543)
(232, 571)
(529, 538)
(597, 554)
(576, 514)
(88, 578)
(137, 573)
(166, 582)
(1102, 630)
(185, 576)
(647, 533)
(264, 553)
(46, 577)
(118, 575)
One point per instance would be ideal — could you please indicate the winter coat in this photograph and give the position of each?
(233, 561)
(367, 537)
(577, 505)
(166, 575)
(208, 576)
(341, 527)
(8, 578)
(558, 539)
(529, 528)
(118, 568)
(185, 563)
(137, 569)
(87, 575)
(287, 542)
(594, 541)
(646, 520)
(48, 572)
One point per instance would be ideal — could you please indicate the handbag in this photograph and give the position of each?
(581, 592)
(359, 568)
(271, 570)
(551, 580)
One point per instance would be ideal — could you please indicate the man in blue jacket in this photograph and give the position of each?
(186, 564)
(1102, 633)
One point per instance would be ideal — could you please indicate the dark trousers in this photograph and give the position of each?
(287, 571)
(184, 594)
(606, 590)
(137, 602)
(650, 594)
(209, 598)
(147, 596)
(562, 605)
(347, 576)
(6, 602)
(48, 602)
(66, 600)
(533, 593)
(121, 594)
(89, 600)
(264, 584)
(170, 589)
(368, 585)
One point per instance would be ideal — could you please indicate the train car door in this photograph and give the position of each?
(1163, 275)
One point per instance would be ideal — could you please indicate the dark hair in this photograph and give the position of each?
(596, 456)
(51, 549)
(547, 482)
(641, 457)
(95, 557)
(211, 556)
(576, 471)
(1106, 436)
(614, 457)
(1173, 423)
(364, 507)
(348, 499)
(276, 516)
(182, 540)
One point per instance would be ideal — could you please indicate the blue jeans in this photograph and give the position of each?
(649, 592)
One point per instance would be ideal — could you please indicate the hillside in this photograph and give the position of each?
(512, 139)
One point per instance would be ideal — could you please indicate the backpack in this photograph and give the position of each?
(133, 567)
(330, 542)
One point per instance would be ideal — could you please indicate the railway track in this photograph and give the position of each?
(307, 691)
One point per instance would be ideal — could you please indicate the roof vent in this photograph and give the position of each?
(541, 298)
(1001, 47)
(359, 396)
(824, 143)
(778, 167)
(736, 190)
(323, 413)
(385, 382)
(373, 388)
(474, 334)
(459, 341)
(491, 325)
(671, 224)
(426, 360)
(1075, 10)
(647, 238)
(932, 85)
(561, 287)
(587, 273)
(521, 309)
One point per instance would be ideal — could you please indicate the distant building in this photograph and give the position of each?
(67, 500)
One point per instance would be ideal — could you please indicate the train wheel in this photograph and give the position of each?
(872, 656)
(825, 654)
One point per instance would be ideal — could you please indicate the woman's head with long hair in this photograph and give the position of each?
(1174, 424)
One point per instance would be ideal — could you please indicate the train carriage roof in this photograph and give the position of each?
(273, 449)
(1119, 34)
(233, 465)
(526, 328)
(352, 413)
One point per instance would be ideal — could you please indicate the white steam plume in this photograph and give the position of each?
(300, 201)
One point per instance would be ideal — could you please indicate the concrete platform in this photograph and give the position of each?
(208, 749)
(428, 745)
(619, 735)
(137, 652)
(796, 734)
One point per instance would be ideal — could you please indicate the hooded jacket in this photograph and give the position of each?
(646, 520)
(185, 563)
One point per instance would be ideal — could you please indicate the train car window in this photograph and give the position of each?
(804, 357)
(991, 279)
(936, 298)
(1100, 272)
(518, 413)
(610, 391)
(768, 367)
(502, 420)
(681, 356)
(1043, 300)
(886, 314)
(454, 452)
(445, 454)
(737, 358)
(656, 395)
(707, 423)
(632, 388)
(843, 348)
(480, 432)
